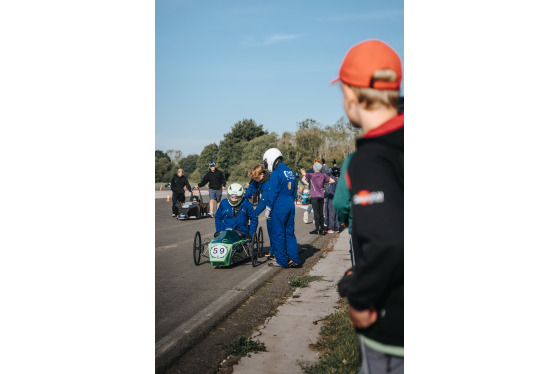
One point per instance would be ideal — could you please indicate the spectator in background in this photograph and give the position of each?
(310, 170)
(342, 201)
(370, 78)
(216, 184)
(317, 192)
(331, 220)
(306, 182)
(179, 184)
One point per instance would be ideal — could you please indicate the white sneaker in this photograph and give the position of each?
(211, 214)
(173, 215)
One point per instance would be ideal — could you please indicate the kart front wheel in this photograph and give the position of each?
(197, 248)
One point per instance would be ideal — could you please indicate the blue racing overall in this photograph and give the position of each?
(226, 219)
(281, 198)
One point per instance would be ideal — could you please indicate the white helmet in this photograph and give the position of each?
(235, 189)
(272, 158)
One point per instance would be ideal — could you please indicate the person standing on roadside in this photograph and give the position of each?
(317, 192)
(216, 184)
(179, 184)
(260, 185)
(342, 201)
(370, 78)
(331, 220)
(280, 210)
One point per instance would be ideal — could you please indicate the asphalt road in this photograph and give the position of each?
(190, 299)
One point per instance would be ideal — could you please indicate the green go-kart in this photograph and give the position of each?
(228, 248)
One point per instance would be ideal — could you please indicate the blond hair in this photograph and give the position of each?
(256, 171)
(375, 99)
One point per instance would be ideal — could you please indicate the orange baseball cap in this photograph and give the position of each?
(364, 59)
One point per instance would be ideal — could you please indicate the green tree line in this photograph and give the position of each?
(243, 147)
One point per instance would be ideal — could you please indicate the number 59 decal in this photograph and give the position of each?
(218, 251)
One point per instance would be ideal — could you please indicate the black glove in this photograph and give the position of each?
(323, 161)
(217, 233)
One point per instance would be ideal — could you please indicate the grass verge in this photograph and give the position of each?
(303, 280)
(338, 345)
(242, 346)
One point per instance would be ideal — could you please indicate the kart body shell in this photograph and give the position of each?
(196, 209)
(228, 248)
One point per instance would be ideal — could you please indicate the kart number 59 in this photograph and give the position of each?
(218, 251)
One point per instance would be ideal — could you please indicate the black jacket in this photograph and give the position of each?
(214, 179)
(177, 184)
(375, 178)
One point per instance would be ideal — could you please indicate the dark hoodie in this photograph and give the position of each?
(378, 229)
(178, 183)
(216, 180)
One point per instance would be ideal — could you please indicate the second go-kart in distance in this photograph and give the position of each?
(196, 207)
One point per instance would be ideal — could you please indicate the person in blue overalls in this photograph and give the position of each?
(260, 185)
(235, 213)
(280, 210)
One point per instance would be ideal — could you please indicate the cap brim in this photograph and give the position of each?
(335, 80)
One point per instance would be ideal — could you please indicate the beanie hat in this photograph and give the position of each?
(364, 59)
(316, 167)
(212, 164)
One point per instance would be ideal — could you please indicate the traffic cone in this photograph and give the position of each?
(167, 199)
(161, 185)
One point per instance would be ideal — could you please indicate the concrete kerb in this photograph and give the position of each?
(288, 334)
(185, 336)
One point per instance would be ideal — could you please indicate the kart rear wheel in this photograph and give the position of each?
(198, 209)
(197, 248)
(254, 251)
(260, 239)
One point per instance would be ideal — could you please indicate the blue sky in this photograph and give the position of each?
(219, 62)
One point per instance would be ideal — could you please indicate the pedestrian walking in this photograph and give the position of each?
(216, 184)
(179, 184)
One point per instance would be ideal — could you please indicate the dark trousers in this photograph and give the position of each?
(331, 219)
(318, 203)
(177, 197)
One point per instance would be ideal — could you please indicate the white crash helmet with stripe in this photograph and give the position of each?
(272, 158)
